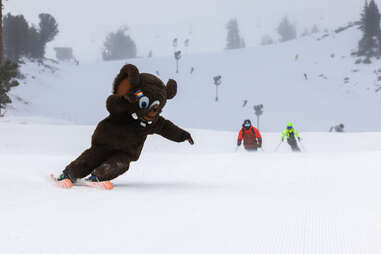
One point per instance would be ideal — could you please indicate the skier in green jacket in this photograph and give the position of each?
(291, 135)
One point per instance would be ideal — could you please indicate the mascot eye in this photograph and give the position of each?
(144, 102)
(155, 104)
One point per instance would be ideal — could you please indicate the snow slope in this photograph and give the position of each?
(192, 199)
(268, 75)
(205, 198)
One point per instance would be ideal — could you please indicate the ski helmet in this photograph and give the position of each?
(289, 126)
(246, 123)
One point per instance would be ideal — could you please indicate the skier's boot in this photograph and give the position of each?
(92, 178)
(93, 181)
(64, 181)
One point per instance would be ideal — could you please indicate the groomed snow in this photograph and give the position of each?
(192, 199)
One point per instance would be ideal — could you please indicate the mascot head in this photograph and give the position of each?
(146, 93)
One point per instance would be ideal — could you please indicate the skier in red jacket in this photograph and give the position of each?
(252, 139)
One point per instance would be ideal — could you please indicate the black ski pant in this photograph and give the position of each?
(251, 149)
(293, 144)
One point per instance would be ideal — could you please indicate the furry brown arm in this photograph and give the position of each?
(170, 131)
(116, 104)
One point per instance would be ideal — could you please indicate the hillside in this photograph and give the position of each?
(337, 90)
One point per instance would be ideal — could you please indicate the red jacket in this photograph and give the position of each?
(251, 137)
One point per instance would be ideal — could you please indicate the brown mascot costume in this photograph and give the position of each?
(134, 108)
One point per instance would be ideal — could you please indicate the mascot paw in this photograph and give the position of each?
(188, 137)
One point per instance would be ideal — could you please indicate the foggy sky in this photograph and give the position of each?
(82, 21)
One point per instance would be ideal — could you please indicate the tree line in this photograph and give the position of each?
(22, 39)
(234, 40)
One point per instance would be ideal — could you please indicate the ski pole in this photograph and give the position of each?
(236, 149)
(301, 144)
(276, 149)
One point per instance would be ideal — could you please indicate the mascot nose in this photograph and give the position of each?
(154, 110)
(152, 113)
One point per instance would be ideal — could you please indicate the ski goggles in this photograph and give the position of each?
(247, 125)
(289, 127)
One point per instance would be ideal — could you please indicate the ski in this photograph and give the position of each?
(65, 184)
(104, 185)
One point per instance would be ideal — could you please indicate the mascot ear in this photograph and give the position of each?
(171, 89)
(127, 78)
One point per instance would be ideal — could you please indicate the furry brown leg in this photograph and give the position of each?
(113, 167)
(87, 162)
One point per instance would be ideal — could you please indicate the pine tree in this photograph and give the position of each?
(15, 36)
(363, 20)
(374, 19)
(8, 73)
(286, 30)
(1, 33)
(370, 44)
(48, 30)
(266, 40)
(35, 47)
(8, 70)
(234, 40)
(119, 46)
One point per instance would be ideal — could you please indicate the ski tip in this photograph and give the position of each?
(108, 185)
(66, 183)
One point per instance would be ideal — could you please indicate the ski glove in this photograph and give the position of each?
(239, 142)
(260, 143)
(300, 139)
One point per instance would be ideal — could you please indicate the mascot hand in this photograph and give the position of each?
(187, 136)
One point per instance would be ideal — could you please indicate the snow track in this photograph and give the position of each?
(201, 199)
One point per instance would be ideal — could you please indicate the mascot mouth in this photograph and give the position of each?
(146, 117)
(144, 120)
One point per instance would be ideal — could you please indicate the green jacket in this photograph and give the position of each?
(287, 133)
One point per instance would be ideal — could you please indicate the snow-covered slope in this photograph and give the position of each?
(183, 199)
(271, 75)
(204, 198)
